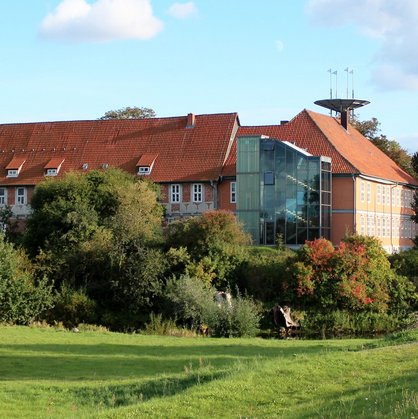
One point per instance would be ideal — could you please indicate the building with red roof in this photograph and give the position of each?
(194, 159)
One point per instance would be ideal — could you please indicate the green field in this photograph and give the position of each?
(51, 373)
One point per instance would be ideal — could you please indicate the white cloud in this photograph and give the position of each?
(392, 22)
(101, 21)
(182, 10)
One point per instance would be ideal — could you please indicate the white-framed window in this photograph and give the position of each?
(362, 187)
(13, 173)
(233, 194)
(51, 172)
(21, 196)
(144, 170)
(175, 193)
(3, 196)
(197, 192)
(369, 192)
(378, 194)
(398, 197)
(362, 222)
(378, 231)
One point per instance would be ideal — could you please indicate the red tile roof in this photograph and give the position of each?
(320, 134)
(54, 163)
(184, 154)
(147, 159)
(16, 163)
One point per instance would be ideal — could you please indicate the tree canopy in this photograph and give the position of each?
(371, 130)
(130, 113)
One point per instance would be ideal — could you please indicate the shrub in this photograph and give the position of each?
(215, 243)
(338, 323)
(21, 299)
(193, 304)
(72, 307)
(264, 273)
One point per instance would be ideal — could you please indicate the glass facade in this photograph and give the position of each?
(282, 191)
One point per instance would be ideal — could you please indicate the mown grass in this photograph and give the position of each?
(49, 373)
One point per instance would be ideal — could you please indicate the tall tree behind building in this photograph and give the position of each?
(130, 113)
(371, 129)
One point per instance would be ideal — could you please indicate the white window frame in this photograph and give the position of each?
(362, 189)
(21, 199)
(197, 192)
(369, 192)
(12, 172)
(378, 194)
(3, 196)
(144, 170)
(175, 193)
(51, 172)
(233, 192)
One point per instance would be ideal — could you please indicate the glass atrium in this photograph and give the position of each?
(283, 192)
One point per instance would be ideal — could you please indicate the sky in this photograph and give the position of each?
(267, 60)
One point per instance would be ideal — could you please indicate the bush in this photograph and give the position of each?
(264, 273)
(215, 243)
(72, 307)
(193, 304)
(21, 299)
(338, 323)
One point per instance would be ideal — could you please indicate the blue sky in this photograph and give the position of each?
(266, 60)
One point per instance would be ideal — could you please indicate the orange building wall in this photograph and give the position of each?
(342, 208)
(224, 196)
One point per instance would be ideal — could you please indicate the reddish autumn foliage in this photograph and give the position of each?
(354, 275)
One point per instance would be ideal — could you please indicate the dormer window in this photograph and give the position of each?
(144, 170)
(12, 173)
(15, 166)
(53, 167)
(146, 163)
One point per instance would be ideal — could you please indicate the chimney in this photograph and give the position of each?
(190, 120)
(345, 118)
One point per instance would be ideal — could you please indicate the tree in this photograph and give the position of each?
(356, 276)
(371, 129)
(215, 243)
(97, 233)
(130, 113)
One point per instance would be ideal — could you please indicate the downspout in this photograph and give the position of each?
(214, 186)
(354, 205)
(391, 215)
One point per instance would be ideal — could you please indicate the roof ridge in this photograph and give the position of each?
(309, 112)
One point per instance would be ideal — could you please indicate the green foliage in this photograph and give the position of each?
(129, 113)
(338, 323)
(371, 129)
(193, 304)
(406, 263)
(98, 232)
(191, 301)
(264, 273)
(72, 307)
(215, 242)
(21, 299)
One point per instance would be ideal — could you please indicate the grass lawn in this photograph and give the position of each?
(46, 373)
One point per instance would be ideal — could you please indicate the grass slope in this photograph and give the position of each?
(49, 373)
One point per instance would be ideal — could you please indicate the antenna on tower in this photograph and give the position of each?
(342, 106)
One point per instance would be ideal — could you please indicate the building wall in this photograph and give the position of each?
(184, 203)
(384, 210)
(342, 208)
(224, 196)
